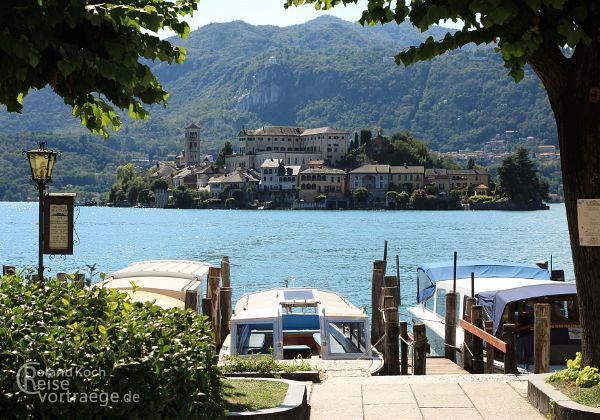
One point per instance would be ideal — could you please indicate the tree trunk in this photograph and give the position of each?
(573, 87)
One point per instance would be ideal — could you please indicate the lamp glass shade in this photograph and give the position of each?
(41, 162)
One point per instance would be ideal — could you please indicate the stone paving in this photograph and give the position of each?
(443, 397)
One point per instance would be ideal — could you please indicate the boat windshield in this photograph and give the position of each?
(299, 309)
(255, 338)
(347, 337)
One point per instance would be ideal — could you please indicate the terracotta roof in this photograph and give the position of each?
(273, 130)
(330, 171)
(482, 187)
(407, 169)
(238, 176)
(372, 169)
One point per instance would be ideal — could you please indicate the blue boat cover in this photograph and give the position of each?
(429, 274)
(495, 301)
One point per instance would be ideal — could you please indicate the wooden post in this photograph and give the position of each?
(225, 309)
(225, 272)
(376, 285)
(468, 337)
(191, 300)
(450, 327)
(79, 280)
(490, 350)
(212, 293)
(404, 348)
(541, 340)
(392, 282)
(472, 284)
(454, 275)
(398, 276)
(420, 346)
(510, 358)
(477, 347)
(207, 308)
(61, 276)
(391, 354)
(385, 251)
(8, 270)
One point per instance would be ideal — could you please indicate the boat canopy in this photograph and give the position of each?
(429, 274)
(495, 301)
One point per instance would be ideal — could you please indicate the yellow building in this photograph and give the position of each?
(327, 181)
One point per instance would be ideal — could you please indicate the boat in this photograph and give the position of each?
(165, 282)
(507, 292)
(312, 324)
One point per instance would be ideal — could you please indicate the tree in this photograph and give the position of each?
(226, 150)
(183, 197)
(520, 182)
(418, 199)
(361, 195)
(535, 33)
(365, 136)
(471, 163)
(92, 54)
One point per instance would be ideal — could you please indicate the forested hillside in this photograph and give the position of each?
(324, 72)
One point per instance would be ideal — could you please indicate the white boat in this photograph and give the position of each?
(163, 281)
(300, 322)
(507, 293)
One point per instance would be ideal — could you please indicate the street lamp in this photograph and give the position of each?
(41, 162)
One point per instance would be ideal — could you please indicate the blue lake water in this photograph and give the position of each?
(326, 249)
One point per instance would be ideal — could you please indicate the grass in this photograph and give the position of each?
(586, 396)
(247, 395)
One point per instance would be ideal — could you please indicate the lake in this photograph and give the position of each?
(325, 249)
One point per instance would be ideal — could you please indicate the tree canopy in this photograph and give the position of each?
(91, 54)
(519, 180)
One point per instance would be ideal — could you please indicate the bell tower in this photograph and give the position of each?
(192, 145)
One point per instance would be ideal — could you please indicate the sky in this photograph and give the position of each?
(266, 12)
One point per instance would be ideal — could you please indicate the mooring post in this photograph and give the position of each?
(191, 300)
(398, 276)
(403, 348)
(541, 340)
(385, 251)
(468, 338)
(420, 348)
(510, 358)
(454, 272)
(472, 284)
(477, 342)
(450, 327)
(376, 285)
(392, 282)
(79, 280)
(61, 276)
(8, 270)
(225, 272)
(225, 310)
(489, 349)
(392, 351)
(212, 293)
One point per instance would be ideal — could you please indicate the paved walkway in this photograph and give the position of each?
(443, 397)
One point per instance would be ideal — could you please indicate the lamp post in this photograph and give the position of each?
(41, 162)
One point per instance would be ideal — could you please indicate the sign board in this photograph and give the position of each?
(588, 219)
(58, 223)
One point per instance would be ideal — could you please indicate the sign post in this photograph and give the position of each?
(58, 223)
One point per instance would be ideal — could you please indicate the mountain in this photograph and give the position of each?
(324, 72)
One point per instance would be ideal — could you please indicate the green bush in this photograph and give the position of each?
(481, 199)
(265, 363)
(96, 348)
(582, 377)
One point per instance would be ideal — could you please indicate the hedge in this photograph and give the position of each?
(97, 348)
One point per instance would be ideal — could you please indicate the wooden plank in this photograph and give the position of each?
(541, 340)
(488, 338)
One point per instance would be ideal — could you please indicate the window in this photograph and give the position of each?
(254, 338)
(346, 337)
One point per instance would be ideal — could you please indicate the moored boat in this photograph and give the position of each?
(507, 292)
(163, 281)
(300, 322)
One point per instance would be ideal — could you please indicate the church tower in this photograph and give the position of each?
(192, 145)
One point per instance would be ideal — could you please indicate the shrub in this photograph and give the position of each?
(265, 363)
(418, 199)
(164, 357)
(584, 378)
(320, 198)
(361, 194)
(480, 199)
